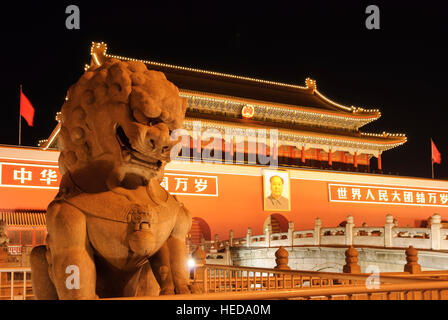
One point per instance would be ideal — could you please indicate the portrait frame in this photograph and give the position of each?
(284, 174)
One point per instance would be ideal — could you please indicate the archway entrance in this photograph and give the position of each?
(199, 229)
(278, 223)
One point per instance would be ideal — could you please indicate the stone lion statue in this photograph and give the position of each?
(113, 231)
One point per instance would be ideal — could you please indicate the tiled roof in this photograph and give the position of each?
(234, 85)
(24, 217)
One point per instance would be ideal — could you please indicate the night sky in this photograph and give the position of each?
(400, 69)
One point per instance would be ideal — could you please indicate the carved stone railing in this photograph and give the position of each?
(369, 232)
(388, 236)
(369, 236)
(304, 238)
(258, 241)
(333, 236)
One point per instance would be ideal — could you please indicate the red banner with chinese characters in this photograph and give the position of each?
(23, 175)
(387, 195)
(29, 175)
(188, 184)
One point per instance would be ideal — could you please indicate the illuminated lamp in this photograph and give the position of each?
(191, 263)
(248, 111)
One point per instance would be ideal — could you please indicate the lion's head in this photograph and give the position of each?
(117, 122)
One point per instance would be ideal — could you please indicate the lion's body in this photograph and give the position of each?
(111, 221)
(108, 216)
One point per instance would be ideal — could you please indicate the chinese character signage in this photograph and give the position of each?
(21, 175)
(387, 195)
(29, 176)
(194, 185)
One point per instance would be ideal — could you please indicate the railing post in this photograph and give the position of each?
(291, 233)
(216, 242)
(388, 231)
(228, 256)
(267, 235)
(199, 269)
(412, 257)
(248, 236)
(202, 242)
(351, 261)
(231, 238)
(436, 225)
(281, 259)
(317, 227)
(349, 230)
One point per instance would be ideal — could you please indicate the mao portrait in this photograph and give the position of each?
(276, 188)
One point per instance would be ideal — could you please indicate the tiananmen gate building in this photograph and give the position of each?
(328, 167)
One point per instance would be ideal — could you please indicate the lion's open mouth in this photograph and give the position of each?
(136, 157)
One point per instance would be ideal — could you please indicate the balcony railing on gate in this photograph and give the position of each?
(15, 284)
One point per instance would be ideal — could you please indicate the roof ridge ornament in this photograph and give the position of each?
(98, 51)
(311, 85)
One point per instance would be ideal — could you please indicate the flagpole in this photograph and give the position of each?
(432, 162)
(20, 120)
(432, 167)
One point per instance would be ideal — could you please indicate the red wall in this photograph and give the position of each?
(239, 203)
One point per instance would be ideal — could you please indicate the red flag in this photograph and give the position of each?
(436, 156)
(26, 109)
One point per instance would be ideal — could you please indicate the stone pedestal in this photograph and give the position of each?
(281, 260)
(351, 259)
(412, 265)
